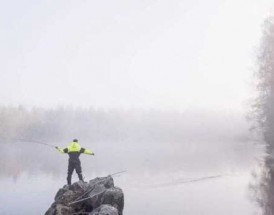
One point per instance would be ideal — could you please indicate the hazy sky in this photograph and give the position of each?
(167, 54)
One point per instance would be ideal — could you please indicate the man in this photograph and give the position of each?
(74, 150)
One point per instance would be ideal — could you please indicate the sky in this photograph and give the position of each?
(149, 54)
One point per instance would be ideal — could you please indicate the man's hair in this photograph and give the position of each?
(75, 140)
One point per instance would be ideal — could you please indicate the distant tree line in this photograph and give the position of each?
(59, 124)
(264, 115)
(145, 139)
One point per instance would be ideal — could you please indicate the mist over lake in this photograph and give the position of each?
(175, 162)
(177, 95)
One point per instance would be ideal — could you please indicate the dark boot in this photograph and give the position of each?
(69, 179)
(80, 176)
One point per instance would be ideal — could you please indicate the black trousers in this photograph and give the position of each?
(77, 166)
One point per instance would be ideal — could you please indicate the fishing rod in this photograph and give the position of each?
(186, 181)
(90, 197)
(89, 190)
(116, 173)
(36, 141)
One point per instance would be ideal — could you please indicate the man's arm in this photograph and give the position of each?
(87, 151)
(65, 150)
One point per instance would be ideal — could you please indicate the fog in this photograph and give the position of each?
(168, 55)
(160, 89)
(144, 139)
(164, 153)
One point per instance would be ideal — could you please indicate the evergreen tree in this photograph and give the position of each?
(264, 109)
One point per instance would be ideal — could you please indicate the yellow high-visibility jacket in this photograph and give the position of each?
(74, 150)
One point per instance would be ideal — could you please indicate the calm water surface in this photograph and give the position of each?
(153, 185)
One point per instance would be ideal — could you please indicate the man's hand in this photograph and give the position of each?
(92, 153)
(56, 147)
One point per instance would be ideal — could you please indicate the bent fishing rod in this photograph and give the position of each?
(35, 141)
(81, 199)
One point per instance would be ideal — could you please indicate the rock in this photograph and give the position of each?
(95, 196)
(105, 209)
(80, 186)
(50, 211)
(61, 192)
(115, 197)
(62, 210)
(98, 196)
(106, 181)
(58, 209)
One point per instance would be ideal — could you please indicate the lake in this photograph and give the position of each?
(175, 186)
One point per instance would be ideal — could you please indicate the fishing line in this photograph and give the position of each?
(93, 186)
(35, 141)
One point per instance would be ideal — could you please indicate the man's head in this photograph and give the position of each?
(75, 140)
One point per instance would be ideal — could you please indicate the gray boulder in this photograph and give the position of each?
(114, 196)
(105, 210)
(98, 196)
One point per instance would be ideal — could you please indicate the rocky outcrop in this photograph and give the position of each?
(96, 197)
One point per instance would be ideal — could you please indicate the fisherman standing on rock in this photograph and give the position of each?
(74, 150)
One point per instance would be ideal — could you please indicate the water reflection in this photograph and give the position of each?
(140, 157)
(32, 174)
(33, 194)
